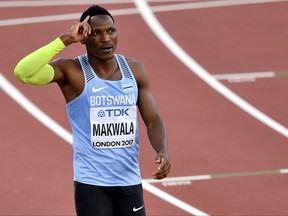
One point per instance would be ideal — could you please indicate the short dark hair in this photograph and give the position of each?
(95, 10)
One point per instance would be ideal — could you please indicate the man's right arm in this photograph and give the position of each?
(35, 68)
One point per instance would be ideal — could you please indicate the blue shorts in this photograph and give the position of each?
(93, 200)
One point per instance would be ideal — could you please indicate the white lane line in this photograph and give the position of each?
(71, 2)
(184, 6)
(178, 180)
(172, 200)
(127, 11)
(27, 105)
(181, 178)
(209, 4)
(283, 171)
(194, 67)
(58, 18)
(244, 76)
(249, 77)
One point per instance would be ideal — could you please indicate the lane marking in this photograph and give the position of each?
(209, 4)
(283, 171)
(243, 75)
(71, 2)
(32, 109)
(184, 180)
(194, 4)
(249, 77)
(129, 11)
(58, 18)
(179, 179)
(198, 70)
(171, 199)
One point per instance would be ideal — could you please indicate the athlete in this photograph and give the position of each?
(102, 90)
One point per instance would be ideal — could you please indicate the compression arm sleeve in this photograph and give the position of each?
(34, 68)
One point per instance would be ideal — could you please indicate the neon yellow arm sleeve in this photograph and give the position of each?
(34, 68)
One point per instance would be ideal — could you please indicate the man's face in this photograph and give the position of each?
(102, 41)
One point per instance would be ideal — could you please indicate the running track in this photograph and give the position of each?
(221, 86)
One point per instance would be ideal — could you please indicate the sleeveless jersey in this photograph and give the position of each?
(105, 128)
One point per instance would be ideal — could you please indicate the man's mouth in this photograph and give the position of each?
(107, 48)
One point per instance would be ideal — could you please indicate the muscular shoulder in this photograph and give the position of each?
(138, 71)
(69, 76)
(65, 64)
(64, 68)
(133, 63)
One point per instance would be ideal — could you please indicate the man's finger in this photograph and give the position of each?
(86, 19)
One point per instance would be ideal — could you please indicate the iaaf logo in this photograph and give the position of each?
(113, 112)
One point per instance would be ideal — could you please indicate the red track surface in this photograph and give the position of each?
(207, 133)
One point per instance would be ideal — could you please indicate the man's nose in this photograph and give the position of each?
(105, 37)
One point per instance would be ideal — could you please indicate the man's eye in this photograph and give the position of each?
(95, 33)
(111, 31)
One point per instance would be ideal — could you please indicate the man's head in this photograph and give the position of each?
(103, 38)
(95, 10)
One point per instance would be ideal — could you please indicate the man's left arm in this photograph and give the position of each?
(154, 123)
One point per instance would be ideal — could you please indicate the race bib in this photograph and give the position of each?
(113, 127)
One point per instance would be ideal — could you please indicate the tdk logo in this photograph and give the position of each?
(101, 114)
(113, 112)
